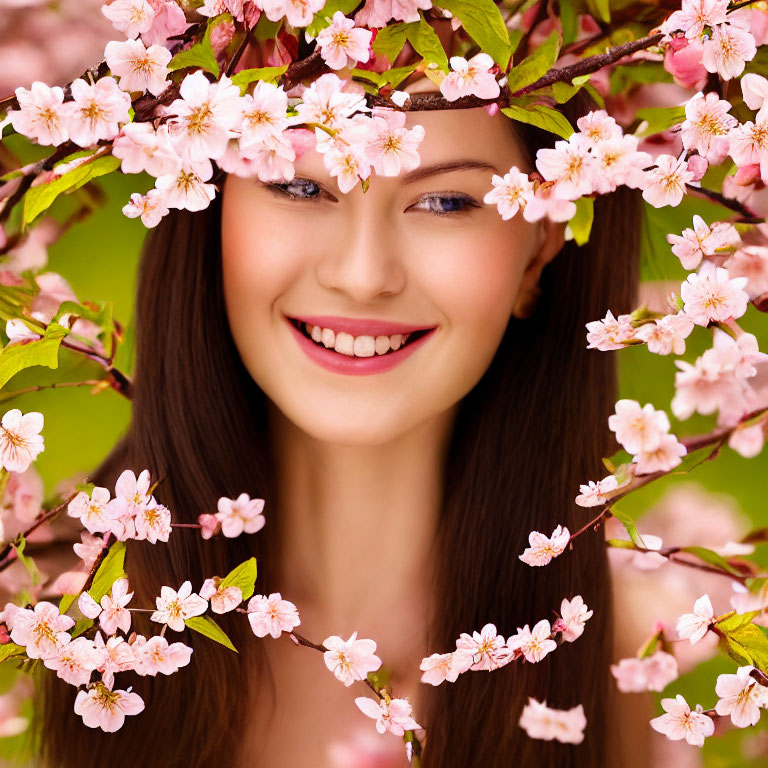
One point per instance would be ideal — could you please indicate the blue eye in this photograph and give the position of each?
(446, 204)
(302, 189)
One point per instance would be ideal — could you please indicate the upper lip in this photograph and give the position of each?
(359, 326)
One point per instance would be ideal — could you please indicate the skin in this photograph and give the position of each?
(361, 458)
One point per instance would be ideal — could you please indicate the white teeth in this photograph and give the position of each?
(355, 346)
(328, 338)
(382, 345)
(345, 343)
(365, 346)
(396, 341)
(316, 332)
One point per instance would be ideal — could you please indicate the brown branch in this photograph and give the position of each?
(56, 385)
(748, 216)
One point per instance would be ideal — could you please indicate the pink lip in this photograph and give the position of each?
(356, 366)
(357, 327)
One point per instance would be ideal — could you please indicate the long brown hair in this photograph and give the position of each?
(531, 430)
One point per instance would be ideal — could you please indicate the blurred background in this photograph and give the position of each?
(718, 503)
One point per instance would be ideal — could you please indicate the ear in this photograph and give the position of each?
(551, 238)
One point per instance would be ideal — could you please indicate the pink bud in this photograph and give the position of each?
(678, 42)
(4, 636)
(698, 165)
(208, 525)
(491, 109)
(685, 65)
(747, 174)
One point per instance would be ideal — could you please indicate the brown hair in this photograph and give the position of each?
(530, 431)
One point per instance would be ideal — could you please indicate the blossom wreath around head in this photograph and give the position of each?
(179, 100)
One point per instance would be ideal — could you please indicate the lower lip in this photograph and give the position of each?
(356, 366)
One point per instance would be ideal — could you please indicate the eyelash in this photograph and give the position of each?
(468, 202)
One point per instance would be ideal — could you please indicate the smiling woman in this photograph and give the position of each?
(398, 501)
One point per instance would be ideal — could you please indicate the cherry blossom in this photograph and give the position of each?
(138, 67)
(393, 715)
(593, 493)
(89, 548)
(617, 161)
(342, 41)
(483, 650)
(610, 332)
(42, 630)
(271, 159)
(573, 615)
(694, 626)
(680, 722)
(570, 165)
(222, 599)
(546, 203)
(440, 667)
(711, 295)
(653, 673)
(272, 615)
(749, 144)
(88, 606)
(638, 429)
(510, 192)
(241, 515)
(114, 614)
(103, 708)
(96, 111)
(750, 262)
(142, 148)
(350, 659)
(174, 608)
(299, 13)
(169, 21)
(157, 655)
(740, 697)
(348, 166)
(728, 50)
(212, 8)
(534, 643)
(263, 113)
(706, 126)
(186, 189)
(153, 522)
(748, 441)
(324, 102)
(41, 115)
(131, 497)
(376, 13)
(133, 17)
(666, 335)
(75, 661)
(470, 78)
(665, 184)
(702, 241)
(116, 656)
(543, 549)
(150, 207)
(209, 524)
(91, 511)
(598, 127)
(542, 722)
(391, 147)
(20, 439)
(695, 15)
(665, 456)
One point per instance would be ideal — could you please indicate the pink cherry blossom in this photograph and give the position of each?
(150, 207)
(695, 15)
(271, 159)
(749, 144)
(483, 650)
(702, 241)
(222, 599)
(116, 656)
(138, 67)
(711, 295)
(114, 614)
(666, 455)
(470, 78)
(665, 184)
(324, 102)
(376, 13)
(638, 429)
(169, 21)
(88, 606)
(534, 643)
(728, 50)
(748, 441)
(241, 515)
(174, 608)
(272, 615)
(43, 630)
(348, 166)
(96, 111)
(653, 673)
(750, 262)
(142, 148)
(597, 127)
(666, 335)
(103, 708)
(41, 115)
(264, 113)
(212, 8)
(680, 722)
(91, 511)
(89, 548)
(131, 496)
(684, 64)
(17, 330)
(208, 525)
(133, 17)
(593, 493)
(342, 41)
(543, 549)
(542, 722)
(570, 165)
(395, 715)
(440, 667)
(157, 655)
(546, 203)
(75, 661)
(510, 193)
(610, 332)
(20, 439)
(350, 659)
(617, 161)
(391, 147)
(573, 615)
(694, 626)
(153, 522)
(299, 13)
(740, 697)
(706, 126)
(186, 189)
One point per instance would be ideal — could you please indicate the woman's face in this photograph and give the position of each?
(416, 251)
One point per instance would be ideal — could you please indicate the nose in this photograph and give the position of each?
(364, 260)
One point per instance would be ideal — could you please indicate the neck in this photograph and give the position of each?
(357, 524)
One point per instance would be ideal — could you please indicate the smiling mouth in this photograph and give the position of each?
(356, 346)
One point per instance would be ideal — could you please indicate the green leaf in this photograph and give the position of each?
(625, 76)
(629, 525)
(27, 561)
(396, 76)
(81, 625)
(244, 577)
(111, 569)
(530, 69)
(11, 650)
(569, 19)
(201, 54)
(483, 22)
(43, 351)
(205, 625)
(543, 117)
(581, 223)
(563, 92)
(426, 43)
(66, 602)
(246, 76)
(391, 39)
(600, 9)
(323, 17)
(750, 643)
(659, 119)
(39, 199)
(712, 558)
(734, 621)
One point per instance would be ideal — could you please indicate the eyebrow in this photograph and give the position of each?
(458, 165)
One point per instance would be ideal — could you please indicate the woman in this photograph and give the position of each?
(397, 501)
